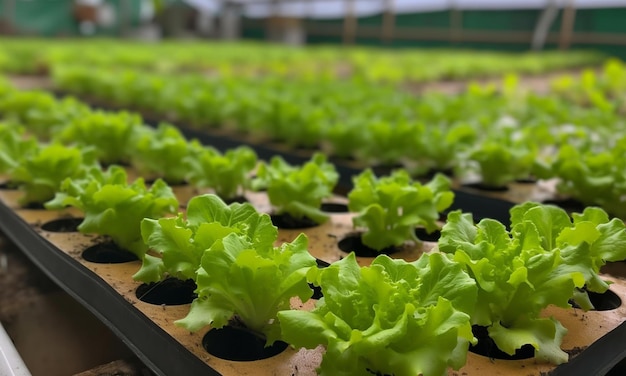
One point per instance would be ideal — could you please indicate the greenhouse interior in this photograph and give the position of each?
(164, 162)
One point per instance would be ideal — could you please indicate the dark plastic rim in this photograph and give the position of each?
(158, 350)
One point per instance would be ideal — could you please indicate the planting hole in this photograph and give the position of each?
(170, 291)
(321, 263)
(8, 185)
(486, 187)
(237, 199)
(605, 301)
(386, 169)
(528, 180)
(108, 253)
(62, 225)
(422, 234)
(432, 172)
(487, 347)
(287, 222)
(334, 207)
(239, 344)
(317, 291)
(353, 243)
(568, 204)
(34, 206)
(172, 184)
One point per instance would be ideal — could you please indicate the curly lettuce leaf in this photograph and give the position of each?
(543, 260)
(242, 282)
(15, 147)
(40, 112)
(591, 176)
(391, 207)
(181, 242)
(227, 174)
(159, 153)
(392, 317)
(41, 172)
(298, 190)
(112, 135)
(116, 208)
(492, 155)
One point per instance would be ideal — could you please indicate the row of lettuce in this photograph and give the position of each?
(262, 59)
(495, 136)
(40, 151)
(391, 317)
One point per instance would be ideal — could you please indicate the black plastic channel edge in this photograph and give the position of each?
(158, 350)
(599, 358)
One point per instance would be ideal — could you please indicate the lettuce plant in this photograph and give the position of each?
(390, 318)
(592, 177)
(15, 146)
(112, 135)
(501, 162)
(387, 144)
(605, 237)
(160, 153)
(246, 284)
(182, 241)
(40, 172)
(542, 260)
(298, 190)
(439, 148)
(389, 208)
(227, 174)
(114, 207)
(40, 112)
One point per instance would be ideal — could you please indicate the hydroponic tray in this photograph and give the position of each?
(109, 291)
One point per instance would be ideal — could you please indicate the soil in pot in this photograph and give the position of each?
(62, 225)
(288, 222)
(239, 344)
(170, 291)
(354, 243)
(108, 253)
(487, 347)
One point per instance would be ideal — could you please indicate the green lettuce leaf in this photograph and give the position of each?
(391, 207)
(112, 135)
(41, 172)
(541, 261)
(298, 190)
(15, 147)
(181, 242)
(227, 174)
(116, 208)
(40, 112)
(158, 153)
(240, 282)
(392, 317)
